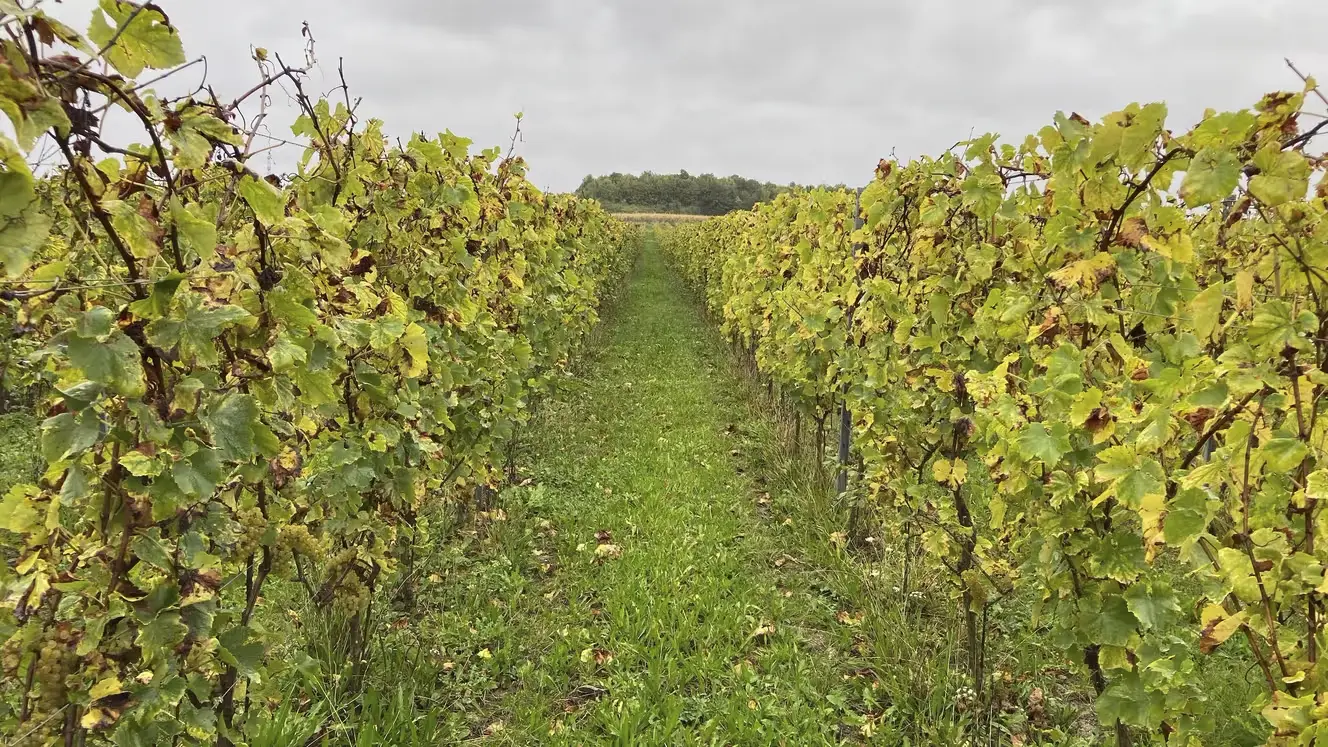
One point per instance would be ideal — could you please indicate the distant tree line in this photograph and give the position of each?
(706, 194)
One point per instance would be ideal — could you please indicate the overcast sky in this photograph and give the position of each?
(812, 91)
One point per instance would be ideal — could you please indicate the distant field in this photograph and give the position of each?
(661, 217)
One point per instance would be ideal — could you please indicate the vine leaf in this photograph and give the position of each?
(232, 424)
(1151, 603)
(1113, 623)
(145, 39)
(158, 637)
(1283, 176)
(1218, 625)
(66, 434)
(196, 329)
(240, 652)
(1047, 445)
(19, 512)
(417, 348)
(267, 202)
(1214, 173)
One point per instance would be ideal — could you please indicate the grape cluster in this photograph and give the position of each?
(56, 660)
(11, 655)
(252, 526)
(293, 540)
(350, 595)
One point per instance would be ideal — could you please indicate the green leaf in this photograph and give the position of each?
(159, 638)
(1188, 516)
(1113, 623)
(239, 651)
(196, 330)
(21, 236)
(1119, 556)
(195, 134)
(982, 192)
(199, 723)
(198, 475)
(1152, 604)
(96, 323)
(232, 426)
(1128, 700)
(284, 354)
(194, 554)
(148, 547)
(158, 302)
(1224, 130)
(145, 39)
(1284, 175)
(1214, 174)
(1283, 454)
(115, 362)
(316, 387)
(1156, 431)
(267, 202)
(66, 435)
(286, 307)
(1143, 479)
(76, 485)
(198, 233)
(37, 118)
(1276, 324)
(386, 331)
(1206, 311)
(1036, 441)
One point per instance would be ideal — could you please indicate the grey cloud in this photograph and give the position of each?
(784, 90)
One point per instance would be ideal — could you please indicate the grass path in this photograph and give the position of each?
(667, 620)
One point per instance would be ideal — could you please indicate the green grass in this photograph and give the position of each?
(19, 460)
(731, 615)
(694, 633)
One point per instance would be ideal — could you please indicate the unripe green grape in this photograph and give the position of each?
(351, 596)
(11, 656)
(253, 524)
(297, 538)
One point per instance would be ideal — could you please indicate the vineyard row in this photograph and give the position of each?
(1086, 368)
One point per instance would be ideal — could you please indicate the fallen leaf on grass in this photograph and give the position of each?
(600, 656)
(763, 632)
(608, 552)
(848, 618)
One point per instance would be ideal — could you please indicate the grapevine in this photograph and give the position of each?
(243, 373)
(1075, 364)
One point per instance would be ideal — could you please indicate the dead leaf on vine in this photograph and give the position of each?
(1199, 418)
